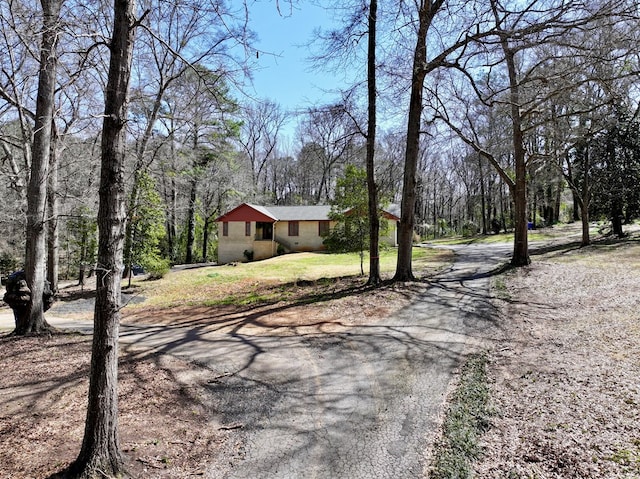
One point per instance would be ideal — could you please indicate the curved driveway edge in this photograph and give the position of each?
(363, 402)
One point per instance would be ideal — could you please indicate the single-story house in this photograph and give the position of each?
(261, 231)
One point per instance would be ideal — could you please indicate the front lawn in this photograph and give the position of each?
(272, 279)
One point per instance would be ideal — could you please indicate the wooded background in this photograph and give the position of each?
(565, 73)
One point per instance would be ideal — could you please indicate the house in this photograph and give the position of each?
(259, 232)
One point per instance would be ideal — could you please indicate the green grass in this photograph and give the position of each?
(268, 280)
(499, 286)
(467, 418)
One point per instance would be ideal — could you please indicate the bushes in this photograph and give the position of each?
(155, 266)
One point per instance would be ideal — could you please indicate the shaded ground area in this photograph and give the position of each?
(165, 430)
(352, 387)
(564, 374)
(171, 424)
(564, 378)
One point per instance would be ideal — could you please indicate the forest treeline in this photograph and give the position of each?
(197, 145)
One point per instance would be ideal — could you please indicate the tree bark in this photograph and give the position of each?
(100, 454)
(191, 221)
(35, 261)
(172, 227)
(584, 216)
(483, 196)
(53, 241)
(520, 255)
(405, 230)
(617, 216)
(585, 199)
(372, 187)
(205, 238)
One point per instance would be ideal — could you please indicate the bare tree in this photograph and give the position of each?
(340, 48)
(372, 186)
(522, 43)
(332, 130)
(259, 135)
(100, 454)
(519, 185)
(35, 262)
(427, 10)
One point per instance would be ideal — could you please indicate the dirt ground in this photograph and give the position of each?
(163, 424)
(565, 375)
(564, 379)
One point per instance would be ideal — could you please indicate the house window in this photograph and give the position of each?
(293, 228)
(225, 228)
(323, 228)
(247, 228)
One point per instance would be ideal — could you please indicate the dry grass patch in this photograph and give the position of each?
(564, 377)
(283, 278)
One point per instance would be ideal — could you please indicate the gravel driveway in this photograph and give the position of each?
(362, 402)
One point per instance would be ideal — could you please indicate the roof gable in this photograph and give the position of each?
(247, 212)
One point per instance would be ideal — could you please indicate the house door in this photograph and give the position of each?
(267, 230)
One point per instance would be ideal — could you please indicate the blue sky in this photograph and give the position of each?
(284, 74)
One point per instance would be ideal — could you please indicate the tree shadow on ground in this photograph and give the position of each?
(319, 384)
(605, 242)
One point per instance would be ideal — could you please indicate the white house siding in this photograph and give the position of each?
(231, 248)
(307, 239)
(390, 236)
(263, 249)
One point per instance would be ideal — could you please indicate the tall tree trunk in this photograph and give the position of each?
(172, 218)
(585, 198)
(131, 224)
(170, 198)
(35, 261)
(483, 196)
(405, 230)
(372, 187)
(616, 212)
(557, 200)
(584, 216)
(205, 237)
(191, 221)
(173, 205)
(617, 216)
(575, 214)
(100, 454)
(520, 255)
(53, 240)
